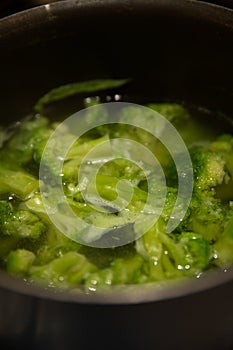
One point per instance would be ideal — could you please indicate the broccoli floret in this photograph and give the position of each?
(25, 147)
(24, 224)
(207, 216)
(224, 146)
(19, 223)
(18, 228)
(5, 210)
(213, 168)
(19, 148)
(208, 167)
(208, 208)
(174, 113)
(174, 255)
(197, 251)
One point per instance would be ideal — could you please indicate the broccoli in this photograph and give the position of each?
(18, 228)
(223, 146)
(224, 246)
(69, 269)
(26, 136)
(127, 185)
(208, 216)
(76, 154)
(175, 255)
(208, 208)
(121, 271)
(213, 168)
(173, 112)
(19, 223)
(189, 250)
(64, 91)
(17, 183)
(209, 168)
(23, 224)
(19, 261)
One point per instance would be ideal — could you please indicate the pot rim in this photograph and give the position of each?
(126, 294)
(131, 294)
(52, 10)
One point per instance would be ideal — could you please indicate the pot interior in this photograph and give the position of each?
(172, 51)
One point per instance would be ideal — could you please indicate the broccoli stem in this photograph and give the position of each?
(224, 246)
(69, 269)
(19, 261)
(17, 183)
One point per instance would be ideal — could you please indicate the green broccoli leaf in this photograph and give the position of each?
(65, 91)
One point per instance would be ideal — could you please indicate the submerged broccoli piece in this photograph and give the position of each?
(209, 210)
(211, 206)
(188, 250)
(174, 255)
(19, 261)
(209, 168)
(18, 228)
(19, 148)
(24, 224)
(69, 269)
(127, 270)
(208, 216)
(17, 183)
(224, 246)
(223, 146)
(19, 223)
(173, 112)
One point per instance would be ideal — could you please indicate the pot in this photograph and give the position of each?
(175, 50)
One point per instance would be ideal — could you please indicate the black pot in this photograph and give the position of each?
(176, 50)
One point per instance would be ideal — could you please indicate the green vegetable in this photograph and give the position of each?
(174, 113)
(70, 269)
(209, 168)
(19, 261)
(27, 137)
(175, 255)
(65, 91)
(18, 228)
(121, 271)
(209, 209)
(19, 223)
(224, 245)
(33, 247)
(17, 183)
